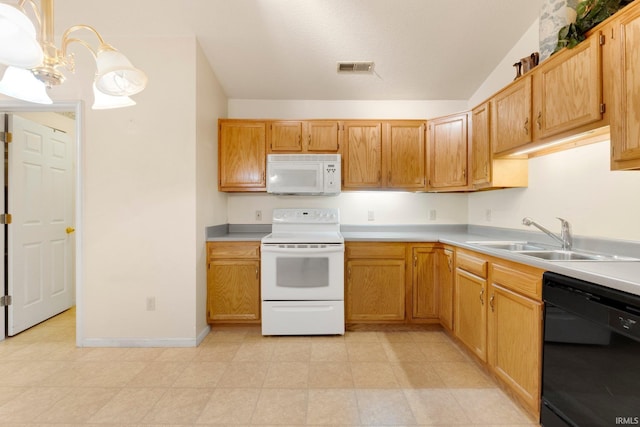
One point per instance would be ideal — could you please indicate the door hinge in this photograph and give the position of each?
(602, 39)
(603, 108)
(5, 218)
(6, 137)
(5, 300)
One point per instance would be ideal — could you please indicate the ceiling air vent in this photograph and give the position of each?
(355, 67)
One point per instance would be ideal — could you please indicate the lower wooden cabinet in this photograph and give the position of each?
(515, 331)
(375, 282)
(470, 325)
(233, 282)
(498, 316)
(424, 301)
(445, 281)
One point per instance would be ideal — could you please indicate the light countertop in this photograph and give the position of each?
(621, 275)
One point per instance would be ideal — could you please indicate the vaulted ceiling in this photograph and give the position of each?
(288, 49)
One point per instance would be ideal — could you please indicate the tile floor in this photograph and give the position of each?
(238, 377)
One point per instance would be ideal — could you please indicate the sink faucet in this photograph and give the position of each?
(565, 238)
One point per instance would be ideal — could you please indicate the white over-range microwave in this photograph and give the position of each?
(303, 174)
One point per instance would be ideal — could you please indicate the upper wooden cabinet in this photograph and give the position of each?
(487, 171)
(512, 116)
(308, 136)
(362, 155)
(561, 97)
(622, 70)
(285, 136)
(568, 89)
(384, 155)
(242, 155)
(448, 152)
(404, 148)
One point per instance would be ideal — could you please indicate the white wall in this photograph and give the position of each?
(211, 205)
(576, 184)
(504, 73)
(388, 207)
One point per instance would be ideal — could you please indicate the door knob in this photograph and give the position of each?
(70, 230)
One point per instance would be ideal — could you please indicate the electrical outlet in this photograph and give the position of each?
(151, 303)
(487, 215)
(432, 214)
(370, 216)
(258, 215)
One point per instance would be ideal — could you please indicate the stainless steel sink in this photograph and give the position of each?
(509, 245)
(560, 255)
(548, 252)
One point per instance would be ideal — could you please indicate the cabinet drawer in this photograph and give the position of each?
(471, 263)
(233, 250)
(375, 250)
(518, 278)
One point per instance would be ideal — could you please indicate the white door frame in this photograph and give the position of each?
(77, 107)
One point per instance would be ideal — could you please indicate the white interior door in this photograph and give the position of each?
(40, 238)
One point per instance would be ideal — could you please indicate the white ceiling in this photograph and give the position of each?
(288, 49)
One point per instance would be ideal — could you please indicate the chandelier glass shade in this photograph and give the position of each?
(35, 63)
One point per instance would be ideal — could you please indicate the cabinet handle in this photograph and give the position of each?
(309, 141)
(482, 296)
(450, 262)
(415, 261)
(349, 273)
(257, 273)
(539, 120)
(526, 126)
(379, 177)
(493, 296)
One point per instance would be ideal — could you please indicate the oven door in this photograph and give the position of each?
(302, 272)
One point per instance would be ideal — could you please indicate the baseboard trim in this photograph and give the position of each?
(146, 342)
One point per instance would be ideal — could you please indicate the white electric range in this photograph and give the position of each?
(302, 281)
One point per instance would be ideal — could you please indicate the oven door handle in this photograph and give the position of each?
(302, 250)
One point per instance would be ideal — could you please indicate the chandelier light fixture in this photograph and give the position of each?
(32, 62)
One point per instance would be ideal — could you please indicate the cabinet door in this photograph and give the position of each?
(623, 71)
(322, 136)
(285, 136)
(481, 145)
(448, 152)
(568, 89)
(515, 342)
(233, 290)
(375, 290)
(425, 287)
(445, 280)
(406, 156)
(470, 324)
(242, 156)
(362, 155)
(511, 116)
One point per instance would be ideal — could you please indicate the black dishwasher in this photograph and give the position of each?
(591, 354)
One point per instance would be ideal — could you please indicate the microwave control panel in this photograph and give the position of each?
(332, 178)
